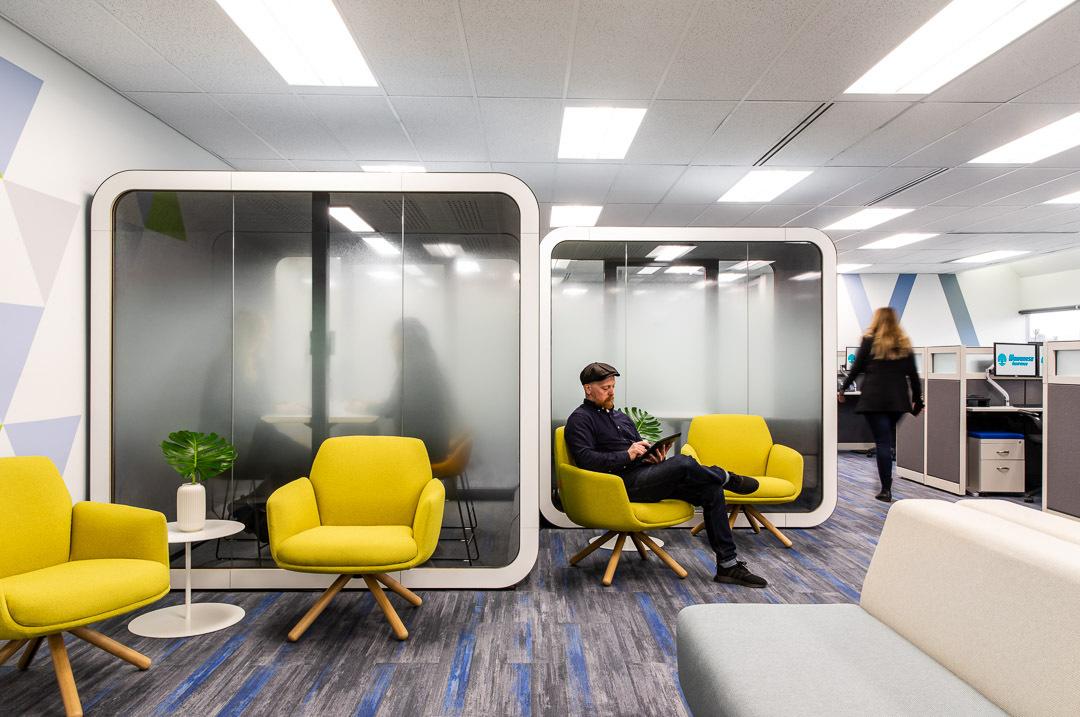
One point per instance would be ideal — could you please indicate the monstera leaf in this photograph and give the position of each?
(647, 424)
(198, 456)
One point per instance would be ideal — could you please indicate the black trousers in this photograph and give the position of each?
(883, 426)
(684, 478)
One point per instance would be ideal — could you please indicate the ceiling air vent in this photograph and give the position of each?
(905, 187)
(799, 128)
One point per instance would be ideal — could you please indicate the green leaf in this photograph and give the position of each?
(647, 425)
(198, 456)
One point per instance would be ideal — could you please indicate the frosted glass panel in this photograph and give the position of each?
(978, 363)
(1067, 362)
(944, 362)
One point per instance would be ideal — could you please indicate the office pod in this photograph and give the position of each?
(698, 321)
(282, 309)
(1061, 445)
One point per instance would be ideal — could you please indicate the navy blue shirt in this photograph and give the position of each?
(598, 438)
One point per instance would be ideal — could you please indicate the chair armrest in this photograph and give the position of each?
(291, 509)
(428, 519)
(592, 499)
(688, 450)
(786, 463)
(111, 530)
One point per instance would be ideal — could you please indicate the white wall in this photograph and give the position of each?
(1046, 291)
(78, 133)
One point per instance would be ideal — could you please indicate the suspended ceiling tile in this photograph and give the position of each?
(909, 132)
(1018, 220)
(285, 123)
(326, 165)
(1069, 159)
(1004, 186)
(914, 221)
(942, 187)
(841, 126)
(643, 183)
(751, 130)
(884, 181)
(365, 126)
(583, 183)
(622, 48)
(700, 185)
(262, 165)
(824, 216)
(522, 130)
(539, 177)
(675, 132)
(725, 215)
(624, 215)
(204, 121)
(1063, 88)
(443, 128)
(674, 215)
(824, 184)
(776, 215)
(965, 217)
(521, 53)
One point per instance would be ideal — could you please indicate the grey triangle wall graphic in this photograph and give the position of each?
(45, 224)
(20, 324)
(51, 438)
(18, 92)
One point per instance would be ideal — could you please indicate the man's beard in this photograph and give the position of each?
(610, 403)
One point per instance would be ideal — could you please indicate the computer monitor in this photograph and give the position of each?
(849, 357)
(1016, 360)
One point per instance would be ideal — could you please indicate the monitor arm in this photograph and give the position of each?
(1004, 394)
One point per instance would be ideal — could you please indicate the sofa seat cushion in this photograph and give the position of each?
(770, 490)
(746, 659)
(343, 546)
(664, 513)
(81, 589)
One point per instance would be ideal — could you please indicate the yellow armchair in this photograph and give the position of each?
(743, 444)
(64, 567)
(599, 500)
(370, 507)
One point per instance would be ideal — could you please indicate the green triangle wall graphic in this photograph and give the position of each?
(165, 216)
(45, 225)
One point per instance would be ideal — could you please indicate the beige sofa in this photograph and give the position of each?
(968, 608)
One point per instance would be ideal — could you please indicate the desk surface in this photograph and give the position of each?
(306, 418)
(1004, 409)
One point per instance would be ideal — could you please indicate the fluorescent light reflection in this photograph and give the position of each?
(1052, 139)
(381, 246)
(807, 276)
(575, 290)
(649, 270)
(466, 266)
(685, 270)
(848, 268)
(350, 219)
(752, 265)
(598, 132)
(726, 277)
(670, 252)
(866, 218)
(444, 251)
(989, 257)
(763, 185)
(574, 215)
(898, 240)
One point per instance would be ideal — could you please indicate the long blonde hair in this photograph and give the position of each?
(890, 341)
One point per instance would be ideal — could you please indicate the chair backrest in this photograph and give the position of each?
(35, 515)
(457, 462)
(562, 455)
(736, 442)
(369, 480)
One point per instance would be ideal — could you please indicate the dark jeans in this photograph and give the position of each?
(684, 478)
(883, 426)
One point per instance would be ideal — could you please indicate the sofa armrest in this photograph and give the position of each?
(110, 530)
(786, 463)
(428, 519)
(291, 509)
(592, 499)
(688, 450)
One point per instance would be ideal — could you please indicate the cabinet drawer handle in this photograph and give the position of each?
(1003, 468)
(1003, 453)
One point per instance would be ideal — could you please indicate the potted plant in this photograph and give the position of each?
(196, 456)
(647, 424)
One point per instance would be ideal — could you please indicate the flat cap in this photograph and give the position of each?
(597, 371)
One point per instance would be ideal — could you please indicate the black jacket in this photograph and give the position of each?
(887, 384)
(598, 438)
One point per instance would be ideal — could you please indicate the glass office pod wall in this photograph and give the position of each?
(280, 318)
(699, 321)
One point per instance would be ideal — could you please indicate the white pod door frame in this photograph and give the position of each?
(697, 320)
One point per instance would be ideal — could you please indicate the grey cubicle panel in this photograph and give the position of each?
(1061, 426)
(945, 419)
(911, 435)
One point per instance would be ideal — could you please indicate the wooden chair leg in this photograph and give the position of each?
(609, 574)
(113, 647)
(642, 551)
(388, 610)
(662, 554)
(732, 515)
(10, 649)
(697, 528)
(750, 519)
(592, 547)
(68, 692)
(770, 527)
(400, 589)
(309, 617)
(28, 656)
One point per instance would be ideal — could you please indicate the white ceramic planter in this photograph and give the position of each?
(190, 507)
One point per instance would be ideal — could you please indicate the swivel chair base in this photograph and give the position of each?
(754, 517)
(62, 665)
(372, 582)
(641, 541)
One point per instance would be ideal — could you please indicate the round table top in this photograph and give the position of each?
(212, 529)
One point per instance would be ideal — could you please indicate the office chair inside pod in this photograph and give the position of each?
(369, 508)
(599, 500)
(452, 471)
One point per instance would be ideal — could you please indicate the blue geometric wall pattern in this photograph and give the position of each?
(18, 91)
(19, 326)
(51, 438)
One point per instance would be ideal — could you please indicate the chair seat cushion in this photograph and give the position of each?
(835, 660)
(81, 589)
(357, 546)
(770, 490)
(665, 512)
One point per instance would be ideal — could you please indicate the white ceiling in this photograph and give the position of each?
(480, 85)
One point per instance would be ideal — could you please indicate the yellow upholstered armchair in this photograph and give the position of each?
(63, 567)
(370, 507)
(599, 500)
(743, 444)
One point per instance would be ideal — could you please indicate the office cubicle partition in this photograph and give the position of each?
(946, 420)
(911, 434)
(279, 309)
(698, 321)
(1061, 442)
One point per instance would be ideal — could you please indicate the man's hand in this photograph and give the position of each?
(839, 397)
(637, 449)
(658, 456)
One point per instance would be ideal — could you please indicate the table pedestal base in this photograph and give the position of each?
(170, 621)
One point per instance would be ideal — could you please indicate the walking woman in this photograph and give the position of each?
(890, 387)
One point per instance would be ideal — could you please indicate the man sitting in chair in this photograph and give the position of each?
(605, 440)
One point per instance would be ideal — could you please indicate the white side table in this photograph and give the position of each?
(187, 619)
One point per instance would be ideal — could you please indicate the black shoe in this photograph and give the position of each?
(743, 485)
(885, 495)
(737, 574)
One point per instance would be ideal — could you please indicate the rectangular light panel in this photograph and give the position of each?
(764, 185)
(306, 42)
(847, 268)
(598, 132)
(352, 221)
(897, 240)
(381, 246)
(1073, 198)
(574, 215)
(866, 218)
(726, 277)
(988, 257)
(1042, 143)
(961, 35)
(670, 252)
(648, 270)
(685, 270)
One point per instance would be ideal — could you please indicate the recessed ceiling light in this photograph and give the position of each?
(381, 246)
(384, 274)
(649, 269)
(352, 221)
(466, 266)
(961, 35)
(866, 218)
(574, 215)
(807, 276)
(561, 264)
(306, 42)
(446, 251)
(392, 168)
(988, 257)
(846, 268)
(598, 132)
(575, 290)
(1040, 144)
(685, 270)
(413, 270)
(670, 252)
(751, 265)
(897, 240)
(1073, 198)
(726, 277)
(763, 185)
